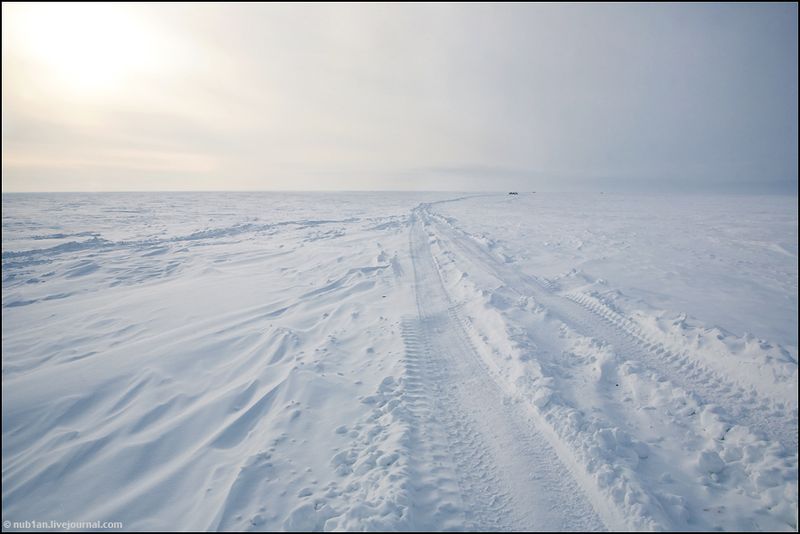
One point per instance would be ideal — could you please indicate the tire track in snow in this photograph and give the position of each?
(509, 477)
(773, 420)
(445, 453)
(748, 408)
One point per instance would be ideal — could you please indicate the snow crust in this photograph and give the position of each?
(400, 361)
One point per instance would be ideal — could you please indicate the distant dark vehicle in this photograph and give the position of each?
(513, 193)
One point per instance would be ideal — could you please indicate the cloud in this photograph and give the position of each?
(265, 96)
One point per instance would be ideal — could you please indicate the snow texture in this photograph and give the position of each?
(400, 361)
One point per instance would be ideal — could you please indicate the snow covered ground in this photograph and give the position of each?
(411, 361)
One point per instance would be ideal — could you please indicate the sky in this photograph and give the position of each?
(468, 97)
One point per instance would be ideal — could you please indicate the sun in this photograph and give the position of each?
(88, 48)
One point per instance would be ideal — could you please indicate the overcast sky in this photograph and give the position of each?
(430, 97)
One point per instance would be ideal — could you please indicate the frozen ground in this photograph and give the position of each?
(400, 361)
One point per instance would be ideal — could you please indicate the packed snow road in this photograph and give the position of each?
(660, 427)
(400, 361)
(508, 475)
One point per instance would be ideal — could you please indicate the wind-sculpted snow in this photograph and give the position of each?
(687, 429)
(398, 361)
(185, 361)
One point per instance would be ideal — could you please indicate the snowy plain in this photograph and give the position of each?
(400, 361)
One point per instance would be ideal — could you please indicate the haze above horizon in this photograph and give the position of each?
(449, 97)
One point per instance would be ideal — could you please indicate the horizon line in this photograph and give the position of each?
(460, 191)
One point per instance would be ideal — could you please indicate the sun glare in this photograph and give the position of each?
(88, 48)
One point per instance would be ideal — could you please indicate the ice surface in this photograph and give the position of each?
(321, 361)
